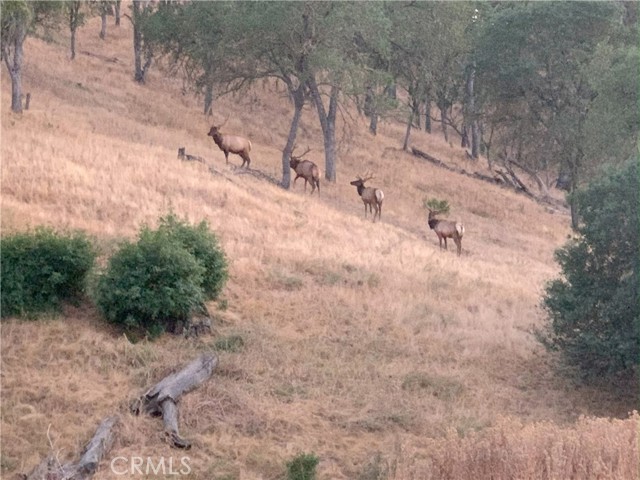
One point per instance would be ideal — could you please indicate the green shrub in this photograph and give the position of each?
(302, 467)
(41, 269)
(440, 206)
(594, 309)
(203, 245)
(162, 278)
(150, 284)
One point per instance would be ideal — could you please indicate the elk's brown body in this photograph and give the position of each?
(231, 144)
(446, 229)
(371, 197)
(307, 170)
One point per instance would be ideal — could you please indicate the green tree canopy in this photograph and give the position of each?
(594, 309)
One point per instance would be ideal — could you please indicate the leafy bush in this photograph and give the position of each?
(41, 269)
(441, 206)
(302, 467)
(162, 278)
(203, 245)
(594, 310)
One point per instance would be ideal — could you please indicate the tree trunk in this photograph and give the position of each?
(405, 145)
(328, 124)
(139, 49)
(103, 26)
(298, 104)
(14, 65)
(373, 124)
(208, 99)
(472, 120)
(575, 214)
(73, 44)
(117, 12)
(415, 106)
(74, 22)
(371, 111)
(464, 138)
(443, 118)
(427, 115)
(368, 107)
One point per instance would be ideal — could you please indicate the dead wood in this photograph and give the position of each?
(255, 173)
(95, 450)
(434, 160)
(162, 398)
(101, 57)
(541, 185)
(506, 178)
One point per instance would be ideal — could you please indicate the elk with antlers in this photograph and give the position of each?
(305, 169)
(371, 196)
(446, 229)
(231, 144)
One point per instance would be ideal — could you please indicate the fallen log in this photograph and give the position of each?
(162, 398)
(86, 467)
(505, 179)
(426, 156)
(255, 173)
(101, 57)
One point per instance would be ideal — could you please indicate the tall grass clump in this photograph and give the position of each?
(43, 268)
(163, 277)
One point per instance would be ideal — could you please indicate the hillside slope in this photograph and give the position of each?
(359, 338)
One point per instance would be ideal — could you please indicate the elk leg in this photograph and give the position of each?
(226, 156)
(445, 243)
(458, 244)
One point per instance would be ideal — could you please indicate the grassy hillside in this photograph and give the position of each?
(363, 342)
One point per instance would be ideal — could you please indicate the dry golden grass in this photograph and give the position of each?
(359, 338)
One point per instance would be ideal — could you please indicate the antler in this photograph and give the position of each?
(223, 123)
(299, 156)
(367, 177)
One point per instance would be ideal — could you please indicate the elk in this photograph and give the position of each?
(446, 229)
(305, 169)
(190, 158)
(231, 144)
(371, 196)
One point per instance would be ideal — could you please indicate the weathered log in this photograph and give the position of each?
(426, 156)
(162, 398)
(534, 175)
(508, 178)
(96, 449)
(255, 173)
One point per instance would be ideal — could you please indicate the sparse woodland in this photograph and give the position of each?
(358, 347)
